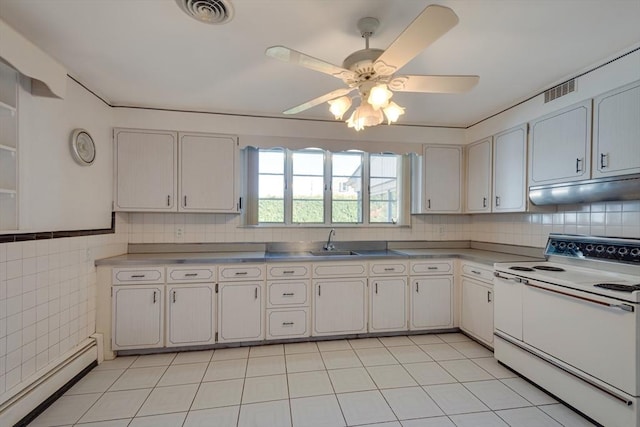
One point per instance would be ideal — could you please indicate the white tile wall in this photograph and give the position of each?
(47, 299)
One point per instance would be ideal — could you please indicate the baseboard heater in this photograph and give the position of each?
(25, 397)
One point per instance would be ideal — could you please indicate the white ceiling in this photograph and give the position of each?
(149, 53)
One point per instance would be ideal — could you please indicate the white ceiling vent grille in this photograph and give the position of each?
(560, 90)
(208, 11)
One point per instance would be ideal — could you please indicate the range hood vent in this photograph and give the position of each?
(560, 90)
(611, 189)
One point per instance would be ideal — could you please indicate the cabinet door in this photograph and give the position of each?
(146, 175)
(137, 317)
(509, 170)
(388, 304)
(339, 306)
(208, 178)
(560, 146)
(431, 299)
(478, 195)
(191, 315)
(240, 312)
(616, 132)
(442, 168)
(477, 310)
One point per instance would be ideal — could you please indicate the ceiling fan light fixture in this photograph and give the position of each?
(339, 106)
(379, 96)
(393, 111)
(364, 116)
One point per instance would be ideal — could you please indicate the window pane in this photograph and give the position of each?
(271, 210)
(305, 187)
(270, 186)
(346, 211)
(384, 211)
(383, 188)
(384, 165)
(310, 163)
(347, 164)
(346, 186)
(271, 161)
(308, 211)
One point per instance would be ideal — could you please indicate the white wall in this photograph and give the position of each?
(55, 192)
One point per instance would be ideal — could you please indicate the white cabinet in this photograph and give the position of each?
(616, 132)
(559, 150)
(137, 317)
(477, 302)
(510, 170)
(288, 301)
(153, 169)
(442, 179)
(191, 314)
(478, 178)
(339, 306)
(241, 311)
(145, 170)
(388, 304)
(431, 295)
(8, 148)
(208, 181)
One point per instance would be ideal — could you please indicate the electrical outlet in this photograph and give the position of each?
(179, 231)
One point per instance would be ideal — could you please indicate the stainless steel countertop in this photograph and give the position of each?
(140, 259)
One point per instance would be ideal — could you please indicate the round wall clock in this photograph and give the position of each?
(83, 149)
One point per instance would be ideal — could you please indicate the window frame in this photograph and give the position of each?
(251, 189)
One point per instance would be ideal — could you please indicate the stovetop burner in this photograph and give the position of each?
(518, 268)
(618, 287)
(548, 268)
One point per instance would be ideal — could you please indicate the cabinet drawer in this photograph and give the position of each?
(431, 267)
(475, 271)
(299, 271)
(289, 292)
(191, 274)
(230, 273)
(288, 323)
(346, 269)
(388, 269)
(123, 276)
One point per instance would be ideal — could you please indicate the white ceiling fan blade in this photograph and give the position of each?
(434, 84)
(429, 26)
(285, 54)
(319, 100)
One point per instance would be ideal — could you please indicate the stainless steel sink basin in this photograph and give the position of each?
(332, 253)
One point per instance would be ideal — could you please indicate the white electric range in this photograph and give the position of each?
(571, 324)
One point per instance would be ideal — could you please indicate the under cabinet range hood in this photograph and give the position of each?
(626, 187)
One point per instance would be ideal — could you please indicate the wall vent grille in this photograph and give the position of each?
(560, 90)
(208, 11)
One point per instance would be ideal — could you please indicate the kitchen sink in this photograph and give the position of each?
(332, 253)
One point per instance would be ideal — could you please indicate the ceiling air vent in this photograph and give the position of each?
(207, 11)
(560, 90)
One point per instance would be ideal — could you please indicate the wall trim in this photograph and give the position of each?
(43, 235)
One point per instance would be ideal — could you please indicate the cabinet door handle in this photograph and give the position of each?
(488, 296)
(476, 272)
(376, 287)
(190, 274)
(255, 293)
(287, 323)
(154, 297)
(288, 272)
(137, 276)
(578, 165)
(390, 269)
(604, 156)
(484, 202)
(168, 200)
(318, 290)
(417, 287)
(432, 268)
(497, 200)
(241, 273)
(288, 294)
(429, 203)
(185, 201)
(174, 297)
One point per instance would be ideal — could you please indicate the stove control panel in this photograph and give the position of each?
(598, 248)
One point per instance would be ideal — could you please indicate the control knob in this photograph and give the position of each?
(623, 251)
(599, 249)
(611, 250)
(571, 246)
(589, 248)
(635, 252)
(562, 245)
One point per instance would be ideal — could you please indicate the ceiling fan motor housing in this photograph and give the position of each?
(361, 63)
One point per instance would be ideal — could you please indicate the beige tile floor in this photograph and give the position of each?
(406, 381)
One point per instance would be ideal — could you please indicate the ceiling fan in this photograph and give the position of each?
(373, 71)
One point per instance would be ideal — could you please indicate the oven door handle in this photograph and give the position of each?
(515, 279)
(625, 307)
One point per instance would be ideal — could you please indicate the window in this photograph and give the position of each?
(318, 187)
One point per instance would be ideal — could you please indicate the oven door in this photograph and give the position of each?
(596, 335)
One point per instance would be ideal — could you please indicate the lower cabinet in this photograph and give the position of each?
(431, 302)
(340, 306)
(240, 311)
(477, 310)
(191, 316)
(137, 317)
(388, 304)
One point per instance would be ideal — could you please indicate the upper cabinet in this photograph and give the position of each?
(510, 170)
(442, 179)
(616, 132)
(478, 161)
(560, 146)
(169, 171)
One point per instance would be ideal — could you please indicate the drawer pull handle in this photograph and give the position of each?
(578, 165)
(287, 323)
(241, 273)
(288, 272)
(154, 297)
(488, 296)
(376, 287)
(432, 268)
(168, 200)
(318, 290)
(255, 293)
(390, 269)
(417, 287)
(138, 276)
(484, 202)
(604, 156)
(476, 272)
(190, 274)
(288, 294)
(174, 297)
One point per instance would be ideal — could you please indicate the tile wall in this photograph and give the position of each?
(47, 299)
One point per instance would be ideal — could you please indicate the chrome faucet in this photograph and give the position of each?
(330, 246)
